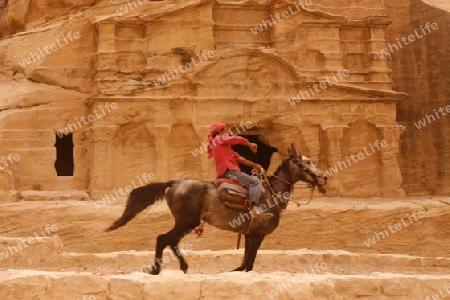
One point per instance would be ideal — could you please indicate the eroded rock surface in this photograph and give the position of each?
(313, 76)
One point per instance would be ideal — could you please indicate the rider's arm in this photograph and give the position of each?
(248, 163)
(237, 140)
(233, 140)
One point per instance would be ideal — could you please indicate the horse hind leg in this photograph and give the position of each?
(171, 238)
(194, 223)
(187, 213)
(176, 251)
(162, 241)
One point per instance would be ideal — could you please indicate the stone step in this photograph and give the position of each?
(39, 249)
(293, 261)
(24, 284)
(54, 195)
(40, 135)
(44, 252)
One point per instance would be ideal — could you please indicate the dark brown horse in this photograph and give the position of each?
(193, 200)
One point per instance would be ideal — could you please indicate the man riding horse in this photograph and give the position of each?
(227, 163)
(192, 201)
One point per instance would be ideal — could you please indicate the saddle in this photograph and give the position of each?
(232, 194)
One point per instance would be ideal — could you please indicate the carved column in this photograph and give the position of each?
(102, 161)
(106, 53)
(207, 167)
(106, 46)
(378, 58)
(334, 156)
(162, 133)
(390, 176)
(8, 193)
(325, 38)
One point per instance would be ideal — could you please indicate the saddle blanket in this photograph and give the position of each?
(232, 194)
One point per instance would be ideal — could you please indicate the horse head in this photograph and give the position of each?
(303, 169)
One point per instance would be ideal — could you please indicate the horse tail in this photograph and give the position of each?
(139, 199)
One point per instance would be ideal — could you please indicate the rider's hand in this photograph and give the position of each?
(257, 167)
(253, 147)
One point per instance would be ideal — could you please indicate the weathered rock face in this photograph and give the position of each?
(30, 114)
(21, 15)
(141, 81)
(425, 149)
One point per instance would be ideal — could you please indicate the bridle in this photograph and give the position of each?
(307, 170)
(304, 169)
(291, 184)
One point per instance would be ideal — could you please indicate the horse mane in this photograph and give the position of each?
(277, 171)
(279, 167)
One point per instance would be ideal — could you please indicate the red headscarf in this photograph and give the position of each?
(216, 127)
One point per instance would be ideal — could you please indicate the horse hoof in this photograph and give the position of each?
(184, 268)
(238, 269)
(150, 270)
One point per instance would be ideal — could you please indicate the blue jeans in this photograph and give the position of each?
(251, 183)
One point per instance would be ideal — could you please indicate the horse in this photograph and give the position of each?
(193, 200)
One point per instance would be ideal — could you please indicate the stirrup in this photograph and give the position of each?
(256, 211)
(258, 173)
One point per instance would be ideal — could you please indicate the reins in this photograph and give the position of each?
(263, 177)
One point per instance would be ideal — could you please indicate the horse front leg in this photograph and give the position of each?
(244, 262)
(254, 243)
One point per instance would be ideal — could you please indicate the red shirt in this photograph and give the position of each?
(224, 156)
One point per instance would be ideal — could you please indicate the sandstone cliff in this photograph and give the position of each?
(104, 51)
(421, 69)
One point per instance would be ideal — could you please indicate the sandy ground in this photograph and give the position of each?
(325, 224)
